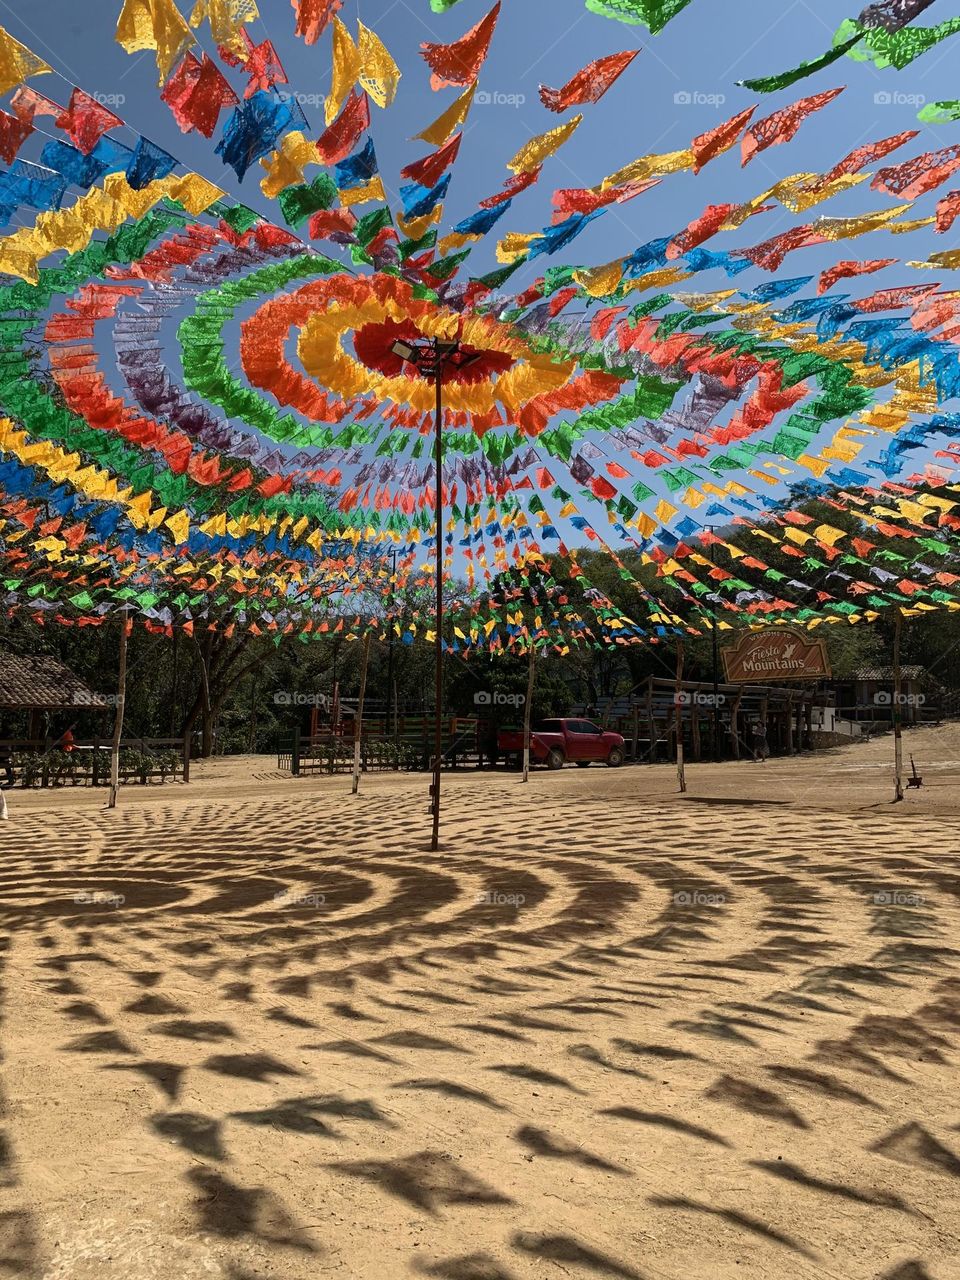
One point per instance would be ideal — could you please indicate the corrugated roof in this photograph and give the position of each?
(43, 683)
(886, 673)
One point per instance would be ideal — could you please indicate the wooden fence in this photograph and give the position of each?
(408, 745)
(26, 762)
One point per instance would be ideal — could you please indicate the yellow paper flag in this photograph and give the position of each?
(599, 281)
(372, 190)
(379, 74)
(446, 125)
(533, 153)
(226, 18)
(285, 166)
(346, 69)
(17, 63)
(154, 24)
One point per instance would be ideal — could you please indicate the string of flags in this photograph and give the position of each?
(204, 423)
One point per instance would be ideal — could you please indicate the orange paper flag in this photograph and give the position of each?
(782, 125)
(588, 85)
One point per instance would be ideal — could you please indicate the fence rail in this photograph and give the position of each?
(33, 762)
(410, 746)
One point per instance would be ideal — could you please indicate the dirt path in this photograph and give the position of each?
(254, 1028)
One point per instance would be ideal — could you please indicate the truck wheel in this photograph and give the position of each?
(615, 758)
(555, 759)
(583, 764)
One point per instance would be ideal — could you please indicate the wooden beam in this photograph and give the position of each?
(678, 707)
(125, 624)
(527, 710)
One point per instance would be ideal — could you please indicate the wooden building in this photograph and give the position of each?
(867, 697)
(648, 718)
(32, 687)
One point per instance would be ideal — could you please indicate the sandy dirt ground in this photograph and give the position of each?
(254, 1028)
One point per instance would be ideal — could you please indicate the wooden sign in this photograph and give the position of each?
(775, 654)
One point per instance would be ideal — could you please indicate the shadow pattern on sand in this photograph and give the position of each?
(298, 1030)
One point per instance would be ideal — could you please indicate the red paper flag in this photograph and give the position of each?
(337, 142)
(263, 67)
(313, 17)
(460, 62)
(13, 132)
(27, 103)
(891, 299)
(700, 229)
(585, 200)
(602, 489)
(782, 125)
(428, 171)
(771, 253)
(914, 177)
(328, 222)
(843, 270)
(588, 85)
(512, 187)
(948, 210)
(196, 93)
(861, 156)
(86, 120)
(715, 141)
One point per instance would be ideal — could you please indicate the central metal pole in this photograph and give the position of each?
(438, 737)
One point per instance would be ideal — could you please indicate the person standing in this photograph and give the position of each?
(761, 748)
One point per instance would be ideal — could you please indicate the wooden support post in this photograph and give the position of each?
(635, 728)
(295, 753)
(527, 707)
(735, 724)
(186, 756)
(651, 722)
(897, 710)
(678, 707)
(118, 718)
(358, 722)
(695, 725)
(790, 726)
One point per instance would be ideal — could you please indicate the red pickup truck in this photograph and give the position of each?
(554, 742)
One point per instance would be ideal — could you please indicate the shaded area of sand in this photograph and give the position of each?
(606, 1032)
